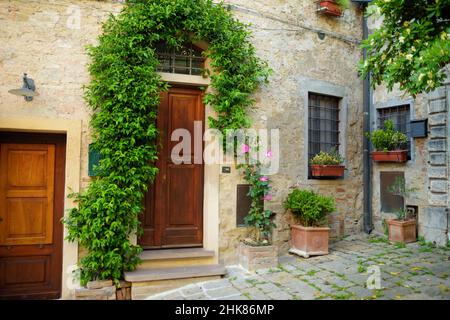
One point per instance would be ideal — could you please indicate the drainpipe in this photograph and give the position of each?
(367, 163)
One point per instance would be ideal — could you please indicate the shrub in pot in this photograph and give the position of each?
(309, 209)
(403, 228)
(326, 164)
(389, 144)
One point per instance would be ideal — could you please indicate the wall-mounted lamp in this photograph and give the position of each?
(28, 90)
(321, 35)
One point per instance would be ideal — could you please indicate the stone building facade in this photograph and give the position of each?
(310, 53)
(426, 171)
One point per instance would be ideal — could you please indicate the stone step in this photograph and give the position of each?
(166, 254)
(157, 274)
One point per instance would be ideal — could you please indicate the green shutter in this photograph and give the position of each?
(94, 160)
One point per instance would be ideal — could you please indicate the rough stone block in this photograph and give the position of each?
(437, 119)
(435, 106)
(439, 186)
(99, 284)
(437, 145)
(437, 199)
(105, 293)
(438, 158)
(124, 291)
(434, 217)
(252, 258)
(437, 172)
(439, 93)
(437, 236)
(438, 132)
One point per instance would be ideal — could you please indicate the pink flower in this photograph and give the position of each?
(245, 148)
(269, 154)
(264, 179)
(267, 197)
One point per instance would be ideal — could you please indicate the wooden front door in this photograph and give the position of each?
(31, 207)
(173, 215)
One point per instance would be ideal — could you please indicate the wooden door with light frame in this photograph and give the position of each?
(32, 167)
(173, 216)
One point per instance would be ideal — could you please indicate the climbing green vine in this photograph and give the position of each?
(124, 97)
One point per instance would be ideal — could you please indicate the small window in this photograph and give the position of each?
(187, 60)
(390, 202)
(400, 116)
(323, 120)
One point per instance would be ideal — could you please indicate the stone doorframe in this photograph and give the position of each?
(211, 171)
(72, 129)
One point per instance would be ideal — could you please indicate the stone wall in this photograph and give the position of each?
(434, 221)
(47, 39)
(285, 34)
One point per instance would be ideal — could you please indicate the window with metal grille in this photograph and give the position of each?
(187, 60)
(400, 116)
(323, 129)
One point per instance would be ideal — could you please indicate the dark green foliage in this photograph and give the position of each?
(308, 207)
(124, 96)
(388, 139)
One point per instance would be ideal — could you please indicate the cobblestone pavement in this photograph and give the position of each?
(412, 271)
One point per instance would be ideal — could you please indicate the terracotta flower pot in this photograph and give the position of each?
(319, 170)
(309, 241)
(402, 231)
(390, 156)
(330, 8)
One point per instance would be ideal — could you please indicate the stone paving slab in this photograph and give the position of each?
(413, 272)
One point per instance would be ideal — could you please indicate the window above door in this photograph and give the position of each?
(187, 60)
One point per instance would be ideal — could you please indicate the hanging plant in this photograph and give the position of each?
(124, 94)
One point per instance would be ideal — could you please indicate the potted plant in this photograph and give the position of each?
(310, 210)
(333, 7)
(403, 228)
(389, 144)
(326, 164)
(257, 251)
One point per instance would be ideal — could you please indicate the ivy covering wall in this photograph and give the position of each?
(124, 96)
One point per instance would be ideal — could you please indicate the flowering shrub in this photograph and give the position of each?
(412, 46)
(258, 218)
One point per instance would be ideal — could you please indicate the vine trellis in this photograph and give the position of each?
(124, 95)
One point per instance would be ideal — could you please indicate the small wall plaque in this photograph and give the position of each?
(226, 169)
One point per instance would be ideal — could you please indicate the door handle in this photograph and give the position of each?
(1, 219)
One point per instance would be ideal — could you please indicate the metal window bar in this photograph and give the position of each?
(400, 116)
(187, 60)
(323, 120)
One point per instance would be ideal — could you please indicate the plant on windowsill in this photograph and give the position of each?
(333, 7)
(257, 251)
(309, 209)
(327, 164)
(403, 228)
(389, 144)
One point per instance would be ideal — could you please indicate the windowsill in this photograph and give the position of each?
(184, 79)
